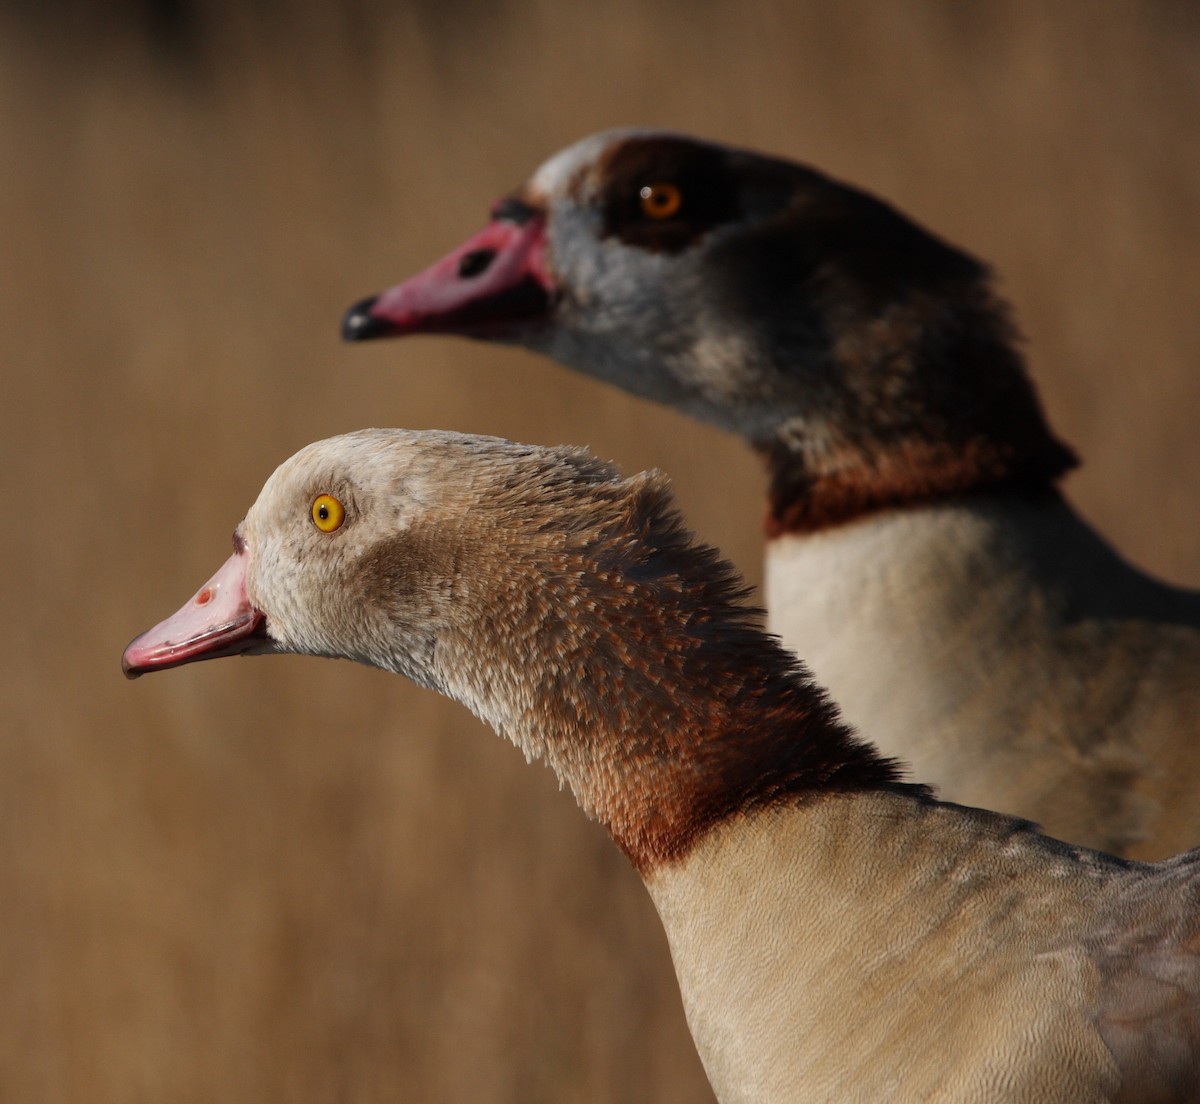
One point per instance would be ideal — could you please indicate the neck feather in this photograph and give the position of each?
(628, 661)
(965, 417)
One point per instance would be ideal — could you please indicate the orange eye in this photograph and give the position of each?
(661, 201)
(328, 513)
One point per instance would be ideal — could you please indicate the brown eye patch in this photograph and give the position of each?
(662, 194)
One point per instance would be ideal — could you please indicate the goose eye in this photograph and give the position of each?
(661, 201)
(328, 513)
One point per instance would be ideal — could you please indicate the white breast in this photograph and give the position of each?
(1007, 654)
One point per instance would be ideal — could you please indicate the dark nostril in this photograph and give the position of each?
(475, 262)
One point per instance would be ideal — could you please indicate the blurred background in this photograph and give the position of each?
(289, 880)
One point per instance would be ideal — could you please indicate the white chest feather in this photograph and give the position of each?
(1007, 655)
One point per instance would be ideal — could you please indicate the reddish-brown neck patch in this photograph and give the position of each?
(807, 496)
(746, 740)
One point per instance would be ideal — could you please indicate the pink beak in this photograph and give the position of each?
(218, 621)
(489, 286)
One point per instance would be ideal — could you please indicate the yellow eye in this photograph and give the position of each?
(328, 513)
(661, 201)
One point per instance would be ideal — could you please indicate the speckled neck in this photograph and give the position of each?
(621, 653)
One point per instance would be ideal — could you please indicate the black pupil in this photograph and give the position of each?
(323, 512)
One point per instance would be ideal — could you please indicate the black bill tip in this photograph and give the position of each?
(359, 324)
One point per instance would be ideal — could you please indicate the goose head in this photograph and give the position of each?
(637, 256)
(365, 547)
(828, 329)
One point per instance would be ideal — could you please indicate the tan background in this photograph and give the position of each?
(292, 880)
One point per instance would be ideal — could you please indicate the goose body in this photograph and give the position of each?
(920, 556)
(838, 934)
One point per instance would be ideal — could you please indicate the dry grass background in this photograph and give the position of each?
(289, 880)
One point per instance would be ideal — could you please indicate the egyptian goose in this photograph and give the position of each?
(837, 935)
(921, 557)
